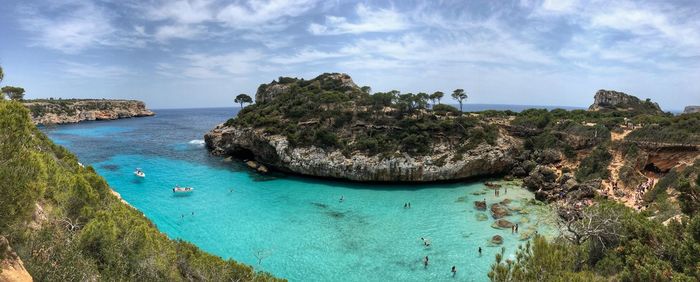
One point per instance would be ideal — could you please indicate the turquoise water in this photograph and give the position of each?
(294, 227)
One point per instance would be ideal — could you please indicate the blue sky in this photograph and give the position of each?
(201, 53)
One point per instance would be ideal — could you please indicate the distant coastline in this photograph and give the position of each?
(62, 111)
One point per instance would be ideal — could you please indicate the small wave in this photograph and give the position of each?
(197, 142)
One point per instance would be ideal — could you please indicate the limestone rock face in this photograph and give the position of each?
(275, 152)
(72, 111)
(11, 267)
(691, 109)
(613, 100)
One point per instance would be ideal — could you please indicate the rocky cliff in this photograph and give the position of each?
(691, 109)
(77, 110)
(328, 127)
(606, 100)
(11, 266)
(441, 165)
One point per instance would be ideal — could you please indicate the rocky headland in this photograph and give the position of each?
(60, 111)
(346, 143)
(330, 127)
(691, 109)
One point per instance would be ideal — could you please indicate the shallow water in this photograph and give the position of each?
(294, 227)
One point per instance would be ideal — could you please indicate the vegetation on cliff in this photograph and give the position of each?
(610, 243)
(682, 129)
(330, 112)
(63, 221)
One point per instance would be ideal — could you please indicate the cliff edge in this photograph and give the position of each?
(330, 127)
(608, 100)
(62, 111)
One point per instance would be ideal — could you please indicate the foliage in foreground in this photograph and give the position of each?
(84, 233)
(640, 249)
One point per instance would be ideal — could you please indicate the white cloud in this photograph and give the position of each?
(369, 20)
(259, 14)
(81, 25)
(181, 11)
(304, 56)
(80, 70)
(167, 32)
(208, 66)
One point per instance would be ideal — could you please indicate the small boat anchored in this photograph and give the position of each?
(139, 173)
(179, 189)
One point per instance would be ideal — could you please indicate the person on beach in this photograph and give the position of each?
(454, 271)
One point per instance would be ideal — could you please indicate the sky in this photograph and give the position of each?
(202, 53)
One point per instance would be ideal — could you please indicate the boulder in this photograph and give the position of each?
(541, 178)
(499, 211)
(480, 205)
(502, 224)
(497, 240)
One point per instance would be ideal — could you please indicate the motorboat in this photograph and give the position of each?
(139, 173)
(179, 189)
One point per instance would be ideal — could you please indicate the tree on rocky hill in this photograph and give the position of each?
(460, 96)
(437, 96)
(14, 93)
(243, 99)
(366, 89)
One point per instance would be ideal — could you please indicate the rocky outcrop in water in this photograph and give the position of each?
(275, 151)
(77, 110)
(619, 101)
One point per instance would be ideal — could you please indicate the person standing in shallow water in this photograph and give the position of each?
(425, 261)
(454, 271)
(479, 251)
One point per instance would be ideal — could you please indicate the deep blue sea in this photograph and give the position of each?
(290, 226)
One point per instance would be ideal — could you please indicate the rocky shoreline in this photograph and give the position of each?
(561, 156)
(76, 110)
(275, 152)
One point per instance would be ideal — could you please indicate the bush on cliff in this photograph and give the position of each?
(595, 165)
(640, 250)
(683, 129)
(81, 232)
(324, 112)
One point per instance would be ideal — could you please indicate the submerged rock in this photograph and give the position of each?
(482, 217)
(480, 205)
(499, 211)
(502, 224)
(497, 239)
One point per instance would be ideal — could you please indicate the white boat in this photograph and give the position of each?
(178, 189)
(139, 173)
